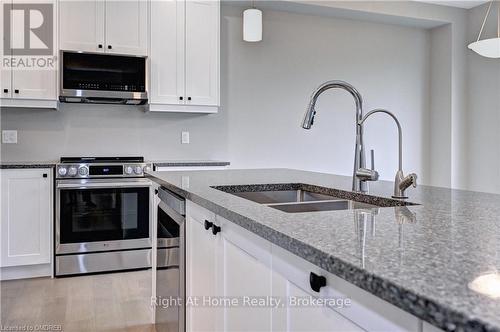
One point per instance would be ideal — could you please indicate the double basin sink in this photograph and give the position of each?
(295, 198)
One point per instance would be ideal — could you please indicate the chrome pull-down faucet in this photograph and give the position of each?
(401, 183)
(358, 182)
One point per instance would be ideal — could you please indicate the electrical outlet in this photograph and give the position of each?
(185, 137)
(9, 136)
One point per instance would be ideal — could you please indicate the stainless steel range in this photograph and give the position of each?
(103, 215)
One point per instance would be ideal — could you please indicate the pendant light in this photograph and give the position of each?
(489, 48)
(252, 24)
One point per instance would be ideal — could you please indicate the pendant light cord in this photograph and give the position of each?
(484, 22)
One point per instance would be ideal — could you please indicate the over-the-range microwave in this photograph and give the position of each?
(102, 78)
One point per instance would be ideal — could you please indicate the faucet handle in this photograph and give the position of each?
(372, 155)
(365, 174)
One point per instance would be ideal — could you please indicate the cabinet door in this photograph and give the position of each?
(201, 270)
(126, 27)
(81, 25)
(245, 275)
(26, 206)
(167, 52)
(5, 73)
(36, 83)
(202, 52)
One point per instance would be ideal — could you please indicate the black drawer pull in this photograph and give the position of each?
(99, 46)
(16, 91)
(189, 98)
(316, 281)
(44, 175)
(215, 229)
(109, 47)
(5, 90)
(208, 224)
(181, 98)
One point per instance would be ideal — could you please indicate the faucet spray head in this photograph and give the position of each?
(309, 116)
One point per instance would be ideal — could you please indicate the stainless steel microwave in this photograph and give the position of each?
(102, 78)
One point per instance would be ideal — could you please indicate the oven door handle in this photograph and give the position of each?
(79, 185)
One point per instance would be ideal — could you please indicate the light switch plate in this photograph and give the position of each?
(9, 136)
(185, 137)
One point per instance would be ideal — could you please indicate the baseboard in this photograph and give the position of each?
(23, 272)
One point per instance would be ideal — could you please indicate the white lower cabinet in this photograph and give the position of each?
(245, 277)
(257, 286)
(26, 224)
(201, 272)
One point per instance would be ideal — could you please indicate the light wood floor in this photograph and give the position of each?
(108, 302)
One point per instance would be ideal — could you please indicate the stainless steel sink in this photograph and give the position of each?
(322, 206)
(283, 196)
(295, 201)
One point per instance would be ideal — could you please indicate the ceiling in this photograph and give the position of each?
(456, 3)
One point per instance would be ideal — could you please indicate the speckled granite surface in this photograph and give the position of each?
(27, 164)
(420, 258)
(190, 163)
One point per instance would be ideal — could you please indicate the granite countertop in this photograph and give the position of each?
(27, 164)
(189, 163)
(422, 264)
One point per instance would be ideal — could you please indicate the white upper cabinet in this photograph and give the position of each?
(104, 26)
(5, 73)
(167, 52)
(28, 83)
(127, 27)
(184, 56)
(202, 52)
(26, 218)
(81, 25)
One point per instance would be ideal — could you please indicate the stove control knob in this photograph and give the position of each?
(146, 169)
(72, 171)
(128, 170)
(138, 170)
(62, 171)
(83, 171)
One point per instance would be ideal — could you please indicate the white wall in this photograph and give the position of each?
(269, 84)
(483, 114)
(100, 130)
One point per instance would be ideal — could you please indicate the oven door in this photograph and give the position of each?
(103, 215)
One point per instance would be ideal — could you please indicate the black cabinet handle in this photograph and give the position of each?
(181, 98)
(16, 91)
(189, 98)
(99, 46)
(316, 281)
(44, 175)
(215, 229)
(208, 224)
(5, 90)
(109, 47)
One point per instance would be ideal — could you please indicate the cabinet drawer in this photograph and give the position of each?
(366, 310)
(198, 213)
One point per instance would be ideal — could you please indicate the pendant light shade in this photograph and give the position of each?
(489, 48)
(252, 25)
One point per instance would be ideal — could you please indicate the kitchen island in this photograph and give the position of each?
(420, 258)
